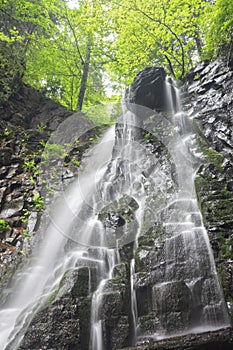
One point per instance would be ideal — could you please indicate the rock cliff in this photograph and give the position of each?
(210, 102)
(27, 122)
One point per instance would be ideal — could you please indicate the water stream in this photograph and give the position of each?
(118, 167)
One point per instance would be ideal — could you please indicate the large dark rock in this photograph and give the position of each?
(119, 220)
(151, 88)
(148, 88)
(210, 100)
(63, 323)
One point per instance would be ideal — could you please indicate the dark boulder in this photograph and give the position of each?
(152, 89)
(147, 88)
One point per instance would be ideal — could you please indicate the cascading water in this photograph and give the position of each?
(189, 263)
(37, 283)
(139, 193)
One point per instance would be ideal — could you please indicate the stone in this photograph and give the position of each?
(148, 89)
(12, 207)
(6, 155)
(119, 220)
(217, 340)
(64, 318)
(173, 302)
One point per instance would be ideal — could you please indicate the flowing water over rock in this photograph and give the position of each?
(126, 241)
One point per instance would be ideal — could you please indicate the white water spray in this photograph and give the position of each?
(49, 264)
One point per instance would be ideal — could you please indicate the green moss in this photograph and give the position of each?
(213, 157)
(52, 298)
(140, 264)
(225, 277)
(148, 323)
(226, 247)
(4, 225)
(201, 183)
(154, 234)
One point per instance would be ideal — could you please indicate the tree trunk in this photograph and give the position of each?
(83, 85)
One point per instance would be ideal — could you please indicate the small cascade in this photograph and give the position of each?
(96, 339)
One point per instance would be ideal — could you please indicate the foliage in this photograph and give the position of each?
(41, 127)
(218, 28)
(163, 33)
(69, 53)
(104, 113)
(29, 164)
(75, 162)
(54, 150)
(21, 21)
(25, 216)
(4, 224)
(6, 132)
(38, 201)
(63, 57)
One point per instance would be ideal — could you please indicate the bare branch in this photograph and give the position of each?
(75, 38)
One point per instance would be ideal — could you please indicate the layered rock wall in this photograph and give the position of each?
(208, 99)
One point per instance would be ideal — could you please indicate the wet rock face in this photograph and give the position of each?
(209, 88)
(28, 108)
(26, 182)
(119, 220)
(210, 101)
(147, 88)
(64, 322)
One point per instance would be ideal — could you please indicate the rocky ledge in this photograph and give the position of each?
(217, 340)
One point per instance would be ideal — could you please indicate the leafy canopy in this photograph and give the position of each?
(70, 52)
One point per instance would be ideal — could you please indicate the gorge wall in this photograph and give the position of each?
(63, 323)
(209, 91)
(26, 124)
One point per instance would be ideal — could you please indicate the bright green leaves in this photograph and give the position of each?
(218, 29)
(67, 53)
(70, 60)
(163, 32)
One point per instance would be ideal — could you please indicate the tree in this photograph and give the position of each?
(20, 22)
(57, 49)
(163, 32)
(71, 61)
(66, 52)
(218, 29)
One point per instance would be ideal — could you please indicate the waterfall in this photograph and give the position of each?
(52, 258)
(137, 191)
(188, 255)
